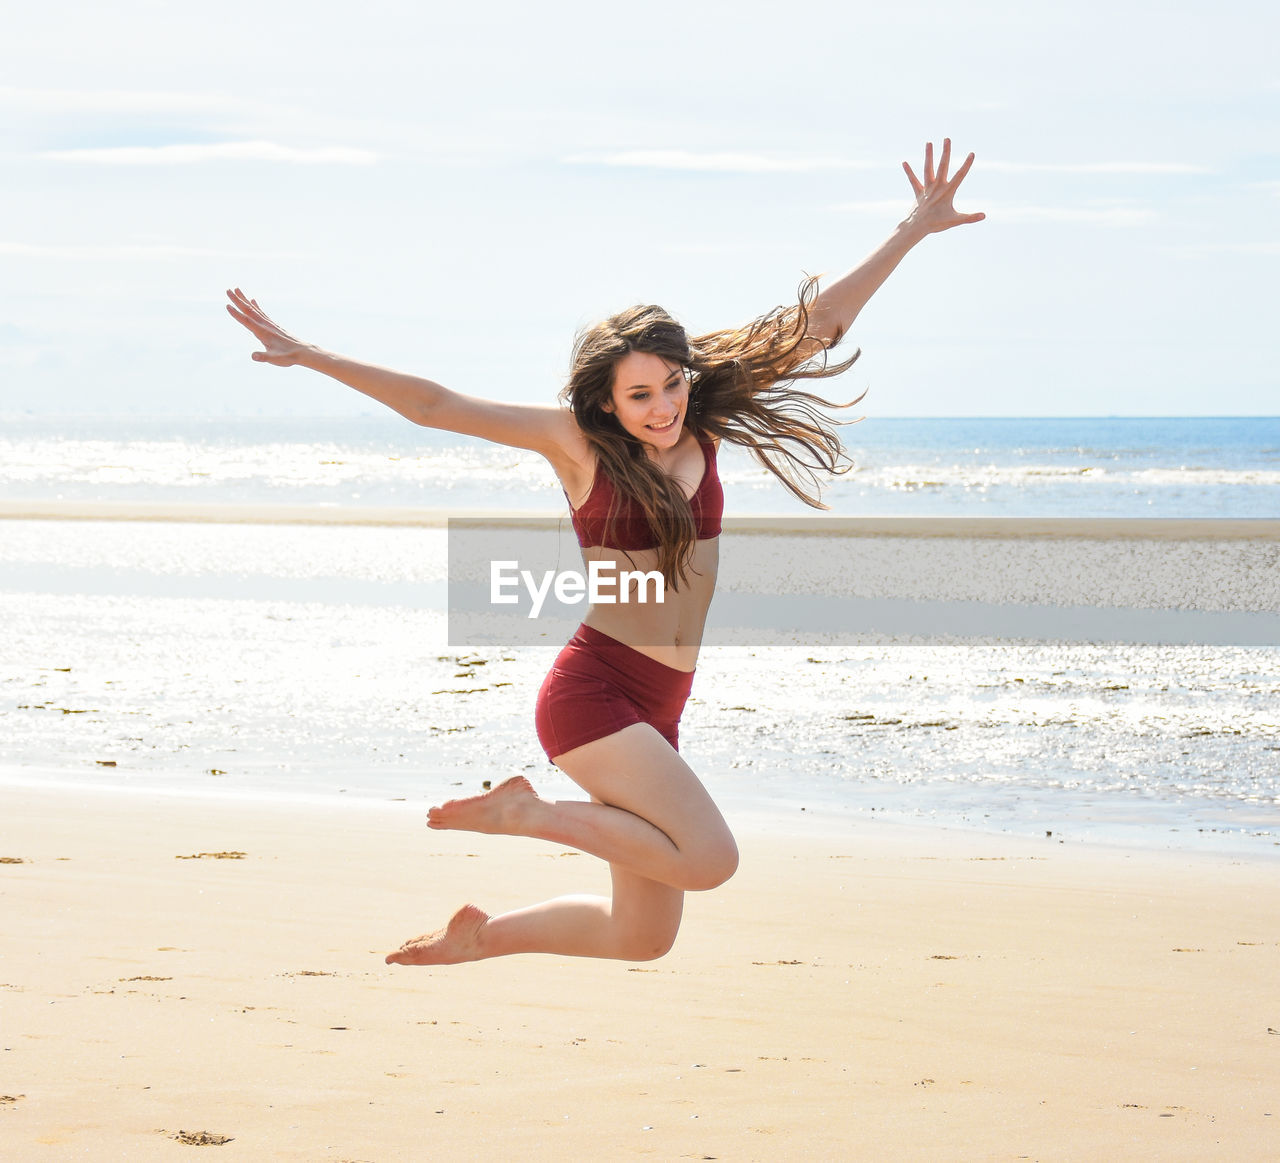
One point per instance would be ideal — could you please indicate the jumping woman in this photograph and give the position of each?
(635, 450)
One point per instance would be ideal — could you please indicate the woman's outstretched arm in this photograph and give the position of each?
(548, 430)
(839, 304)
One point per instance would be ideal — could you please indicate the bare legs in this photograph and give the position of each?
(650, 818)
(639, 923)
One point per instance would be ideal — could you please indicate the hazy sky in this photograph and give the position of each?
(455, 189)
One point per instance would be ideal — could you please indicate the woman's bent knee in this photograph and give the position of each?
(713, 867)
(648, 950)
(647, 944)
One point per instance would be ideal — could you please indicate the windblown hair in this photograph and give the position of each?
(742, 390)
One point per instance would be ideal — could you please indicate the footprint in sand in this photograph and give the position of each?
(201, 1138)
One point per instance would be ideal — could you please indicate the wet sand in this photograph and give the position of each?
(809, 523)
(176, 971)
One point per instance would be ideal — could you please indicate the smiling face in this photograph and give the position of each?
(650, 398)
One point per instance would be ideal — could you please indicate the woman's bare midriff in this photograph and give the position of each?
(669, 631)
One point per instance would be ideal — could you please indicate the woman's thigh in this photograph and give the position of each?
(637, 770)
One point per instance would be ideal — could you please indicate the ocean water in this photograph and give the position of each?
(314, 661)
(1201, 467)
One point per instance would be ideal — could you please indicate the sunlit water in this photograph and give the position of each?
(1096, 467)
(313, 661)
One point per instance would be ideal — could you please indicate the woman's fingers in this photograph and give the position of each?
(258, 334)
(934, 195)
(938, 177)
(280, 348)
(240, 310)
(250, 313)
(248, 306)
(239, 305)
(241, 318)
(954, 184)
(256, 308)
(247, 320)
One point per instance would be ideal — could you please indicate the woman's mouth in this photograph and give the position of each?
(662, 428)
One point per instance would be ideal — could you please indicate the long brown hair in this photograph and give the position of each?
(742, 389)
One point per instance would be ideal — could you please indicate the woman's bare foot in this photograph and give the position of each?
(508, 810)
(458, 941)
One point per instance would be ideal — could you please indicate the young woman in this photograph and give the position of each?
(636, 453)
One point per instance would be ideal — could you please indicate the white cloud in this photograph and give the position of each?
(236, 151)
(728, 162)
(740, 163)
(93, 252)
(1088, 215)
(1127, 215)
(884, 206)
(1132, 167)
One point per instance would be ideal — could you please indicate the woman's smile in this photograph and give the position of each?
(642, 383)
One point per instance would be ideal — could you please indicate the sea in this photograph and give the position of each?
(1091, 467)
(313, 661)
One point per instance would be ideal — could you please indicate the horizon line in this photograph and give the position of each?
(28, 414)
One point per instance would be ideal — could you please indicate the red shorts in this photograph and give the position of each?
(598, 685)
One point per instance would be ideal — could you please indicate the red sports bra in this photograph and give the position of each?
(630, 528)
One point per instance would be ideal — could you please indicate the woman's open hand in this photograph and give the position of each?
(934, 210)
(280, 347)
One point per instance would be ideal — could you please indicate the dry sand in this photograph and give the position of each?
(856, 992)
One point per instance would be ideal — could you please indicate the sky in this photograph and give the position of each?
(455, 190)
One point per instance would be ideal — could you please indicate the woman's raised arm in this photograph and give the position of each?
(551, 431)
(838, 305)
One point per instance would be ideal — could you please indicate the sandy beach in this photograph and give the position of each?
(177, 968)
(180, 970)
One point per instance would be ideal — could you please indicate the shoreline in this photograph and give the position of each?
(1117, 822)
(178, 966)
(816, 524)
